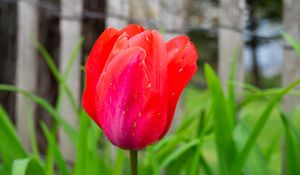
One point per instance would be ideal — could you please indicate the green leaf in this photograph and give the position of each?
(231, 86)
(205, 166)
(34, 144)
(10, 146)
(242, 157)
(118, 166)
(292, 148)
(49, 160)
(81, 145)
(294, 43)
(57, 154)
(70, 131)
(194, 168)
(256, 163)
(178, 153)
(223, 122)
(27, 166)
(61, 79)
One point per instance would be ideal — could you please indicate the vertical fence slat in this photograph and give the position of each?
(291, 63)
(145, 10)
(172, 16)
(48, 32)
(119, 8)
(8, 32)
(26, 66)
(231, 38)
(70, 32)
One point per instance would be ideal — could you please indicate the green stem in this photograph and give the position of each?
(133, 161)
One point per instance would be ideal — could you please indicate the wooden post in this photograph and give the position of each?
(47, 85)
(70, 32)
(291, 63)
(231, 38)
(119, 8)
(26, 66)
(172, 21)
(147, 11)
(8, 45)
(172, 16)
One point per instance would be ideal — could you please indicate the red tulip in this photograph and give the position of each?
(133, 82)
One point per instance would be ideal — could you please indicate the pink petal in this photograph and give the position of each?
(156, 62)
(127, 107)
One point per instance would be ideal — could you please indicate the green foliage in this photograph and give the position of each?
(10, 147)
(294, 43)
(217, 134)
(27, 166)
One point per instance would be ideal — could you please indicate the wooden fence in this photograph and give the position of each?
(64, 28)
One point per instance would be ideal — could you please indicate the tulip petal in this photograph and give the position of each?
(132, 30)
(127, 107)
(152, 42)
(94, 66)
(182, 58)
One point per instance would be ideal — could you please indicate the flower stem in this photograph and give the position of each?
(133, 161)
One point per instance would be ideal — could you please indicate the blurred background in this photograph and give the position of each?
(38, 34)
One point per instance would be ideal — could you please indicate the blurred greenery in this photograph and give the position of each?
(219, 132)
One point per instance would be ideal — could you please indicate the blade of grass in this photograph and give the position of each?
(242, 157)
(67, 71)
(49, 160)
(34, 145)
(292, 148)
(231, 86)
(118, 166)
(27, 166)
(205, 166)
(256, 163)
(70, 131)
(178, 153)
(294, 43)
(57, 154)
(223, 122)
(58, 76)
(81, 145)
(10, 146)
(72, 59)
(194, 168)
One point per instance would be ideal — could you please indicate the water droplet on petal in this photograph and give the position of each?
(147, 38)
(134, 124)
(173, 93)
(149, 85)
(180, 60)
(180, 70)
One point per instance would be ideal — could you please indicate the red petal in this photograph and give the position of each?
(132, 30)
(94, 66)
(182, 57)
(153, 44)
(126, 107)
